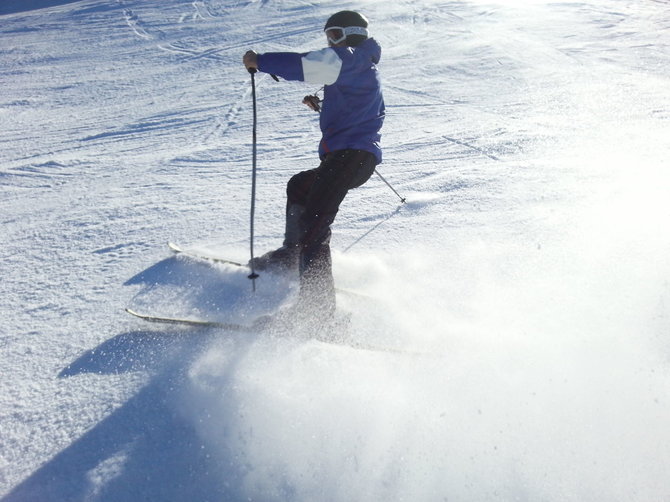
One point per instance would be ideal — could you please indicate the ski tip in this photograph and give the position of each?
(198, 255)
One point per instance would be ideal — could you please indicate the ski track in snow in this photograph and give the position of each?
(530, 261)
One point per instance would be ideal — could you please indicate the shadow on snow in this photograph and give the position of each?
(15, 6)
(144, 450)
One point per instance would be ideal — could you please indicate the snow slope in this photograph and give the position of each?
(527, 278)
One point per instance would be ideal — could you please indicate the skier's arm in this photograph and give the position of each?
(316, 67)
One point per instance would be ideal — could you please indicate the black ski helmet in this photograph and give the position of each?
(353, 24)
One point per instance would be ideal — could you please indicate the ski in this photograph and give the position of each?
(175, 248)
(202, 256)
(188, 322)
(262, 323)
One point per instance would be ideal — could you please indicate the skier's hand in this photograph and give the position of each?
(250, 60)
(312, 102)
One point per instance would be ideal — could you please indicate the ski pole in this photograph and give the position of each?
(253, 276)
(402, 199)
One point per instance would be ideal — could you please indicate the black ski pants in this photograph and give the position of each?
(321, 191)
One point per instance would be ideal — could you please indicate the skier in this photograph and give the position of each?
(352, 113)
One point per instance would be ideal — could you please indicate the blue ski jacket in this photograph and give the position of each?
(352, 111)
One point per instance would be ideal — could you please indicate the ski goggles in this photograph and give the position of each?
(339, 34)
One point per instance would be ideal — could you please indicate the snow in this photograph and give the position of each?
(525, 284)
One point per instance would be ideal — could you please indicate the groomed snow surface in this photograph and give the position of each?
(522, 295)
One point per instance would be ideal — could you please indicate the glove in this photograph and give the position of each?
(313, 102)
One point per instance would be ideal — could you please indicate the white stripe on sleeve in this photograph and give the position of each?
(321, 67)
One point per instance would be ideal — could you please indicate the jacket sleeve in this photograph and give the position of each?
(316, 67)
